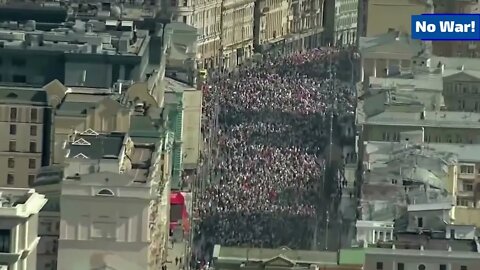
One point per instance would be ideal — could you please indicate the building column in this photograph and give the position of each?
(374, 67)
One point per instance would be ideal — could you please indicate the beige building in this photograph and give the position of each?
(205, 16)
(18, 228)
(378, 16)
(237, 31)
(306, 24)
(25, 119)
(101, 172)
(271, 24)
(389, 53)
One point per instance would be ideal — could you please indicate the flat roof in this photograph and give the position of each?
(416, 253)
(23, 95)
(446, 119)
(464, 152)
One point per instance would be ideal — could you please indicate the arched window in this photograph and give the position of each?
(105, 192)
(421, 267)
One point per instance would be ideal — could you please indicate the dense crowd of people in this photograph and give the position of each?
(273, 129)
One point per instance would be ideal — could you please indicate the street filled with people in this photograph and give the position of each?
(272, 132)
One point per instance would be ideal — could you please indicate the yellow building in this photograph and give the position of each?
(378, 16)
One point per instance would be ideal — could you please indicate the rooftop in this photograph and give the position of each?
(20, 202)
(92, 37)
(445, 119)
(431, 241)
(379, 44)
(454, 63)
(464, 152)
(416, 252)
(91, 145)
(264, 254)
(23, 95)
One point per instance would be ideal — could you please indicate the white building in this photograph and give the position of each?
(19, 209)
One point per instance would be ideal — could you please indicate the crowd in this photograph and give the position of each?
(274, 126)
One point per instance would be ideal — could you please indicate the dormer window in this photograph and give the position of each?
(105, 192)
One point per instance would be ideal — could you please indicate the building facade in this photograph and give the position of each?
(102, 171)
(306, 24)
(207, 18)
(271, 24)
(461, 91)
(26, 120)
(341, 22)
(237, 31)
(18, 227)
(394, 259)
(378, 16)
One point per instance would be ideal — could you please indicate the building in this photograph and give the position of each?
(89, 54)
(341, 22)
(465, 185)
(306, 25)
(461, 90)
(19, 209)
(237, 31)
(271, 24)
(206, 17)
(456, 49)
(389, 53)
(100, 172)
(26, 120)
(282, 258)
(379, 16)
(411, 254)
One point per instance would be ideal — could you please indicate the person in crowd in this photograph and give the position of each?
(273, 128)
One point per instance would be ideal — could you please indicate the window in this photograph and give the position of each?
(467, 169)
(12, 146)
(33, 114)
(13, 114)
(19, 62)
(463, 267)
(32, 163)
(442, 267)
(421, 267)
(33, 130)
(33, 147)
(31, 179)
(11, 163)
(19, 78)
(400, 266)
(379, 265)
(467, 186)
(4, 241)
(10, 179)
(13, 129)
(420, 222)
